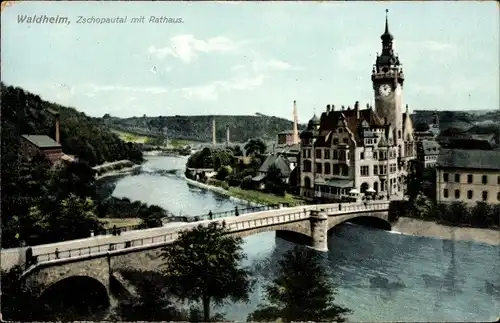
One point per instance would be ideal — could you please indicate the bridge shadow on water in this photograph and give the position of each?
(73, 299)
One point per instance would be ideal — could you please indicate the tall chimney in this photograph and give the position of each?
(58, 138)
(214, 141)
(295, 124)
(227, 135)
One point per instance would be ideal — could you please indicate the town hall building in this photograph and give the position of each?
(357, 152)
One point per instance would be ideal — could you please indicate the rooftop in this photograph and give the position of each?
(467, 158)
(42, 141)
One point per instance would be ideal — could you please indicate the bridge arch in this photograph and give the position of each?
(375, 220)
(299, 230)
(75, 297)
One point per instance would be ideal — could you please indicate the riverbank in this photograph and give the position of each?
(255, 198)
(117, 172)
(220, 190)
(416, 227)
(404, 225)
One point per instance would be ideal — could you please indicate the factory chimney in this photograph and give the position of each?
(295, 124)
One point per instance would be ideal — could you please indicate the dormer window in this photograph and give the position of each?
(341, 130)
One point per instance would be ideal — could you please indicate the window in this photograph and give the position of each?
(345, 141)
(341, 130)
(445, 177)
(469, 194)
(327, 153)
(335, 155)
(457, 178)
(469, 178)
(335, 141)
(498, 196)
(445, 193)
(309, 153)
(375, 155)
(318, 153)
(345, 170)
(457, 194)
(485, 179)
(327, 168)
(319, 168)
(336, 169)
(485, 195)
(307, 165)
(362, 155)
(375, 170)
(365, 171)
(498, 180)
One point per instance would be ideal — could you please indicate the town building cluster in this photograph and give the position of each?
(357, 153)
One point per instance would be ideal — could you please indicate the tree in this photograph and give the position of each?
(204, 265)
(255, 147)
(480, 214)
(301, 291)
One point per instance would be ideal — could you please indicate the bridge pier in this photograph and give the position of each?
(319, 230)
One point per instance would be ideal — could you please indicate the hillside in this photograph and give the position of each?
(199, 128)
(26, 113)
(457, 119)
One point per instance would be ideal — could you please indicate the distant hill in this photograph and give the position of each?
(199, 128)
(457, 119)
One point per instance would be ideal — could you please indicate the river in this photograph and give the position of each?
(381, 276)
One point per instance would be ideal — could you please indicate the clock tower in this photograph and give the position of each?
(387, 80)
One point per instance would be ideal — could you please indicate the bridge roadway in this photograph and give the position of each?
(244, 225)
(98, 259)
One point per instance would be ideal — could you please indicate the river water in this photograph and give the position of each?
(381, 276)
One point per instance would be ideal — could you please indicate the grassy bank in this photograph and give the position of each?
(130, 137)
(120, 222)
(257, 196)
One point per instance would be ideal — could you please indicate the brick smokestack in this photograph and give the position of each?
(227, 135)
(295, 124)
(214, 141)
(58, 120)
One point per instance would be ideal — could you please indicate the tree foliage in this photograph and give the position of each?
(255, 147)
(302, 291)
(40, 196)
(204, 265)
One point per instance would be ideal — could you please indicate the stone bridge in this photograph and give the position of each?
(100, 262)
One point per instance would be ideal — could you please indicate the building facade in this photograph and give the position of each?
(357, 151)
(32, 145)
(470, 176)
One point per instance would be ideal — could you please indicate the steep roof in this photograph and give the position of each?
(353, 118)
(428, 147)
(42, 141)
(467, 158)
(279, 162)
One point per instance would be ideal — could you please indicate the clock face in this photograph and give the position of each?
(385, 89)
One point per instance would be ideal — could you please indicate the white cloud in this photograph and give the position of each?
(237, 67)
(187, 47)
(210, 92)
(94, 88)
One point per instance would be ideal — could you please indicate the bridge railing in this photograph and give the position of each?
(163, 238)
(216, 215)
(233, 225)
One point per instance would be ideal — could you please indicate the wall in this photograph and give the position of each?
(477, 186)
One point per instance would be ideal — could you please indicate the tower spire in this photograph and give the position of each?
(386, 21)
(386, 36)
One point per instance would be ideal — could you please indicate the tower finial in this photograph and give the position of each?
(386, 21)
(387, 35)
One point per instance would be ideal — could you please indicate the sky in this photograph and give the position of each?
(246, 58)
